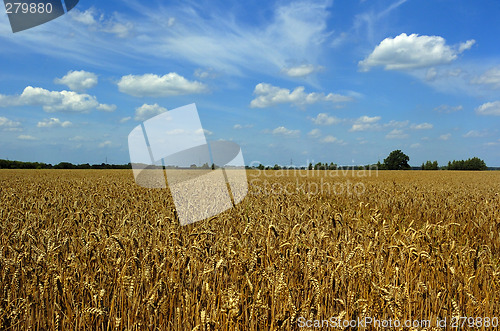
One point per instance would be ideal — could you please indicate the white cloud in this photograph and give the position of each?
(493, 143)
(431, 74)
(125, 119)
(9, 125)
(53, 122)
(331, 139)
(490, 77)
(152, 85)
(26, 137)
(106, 143)
(78, 80)
(175, 132)
(269, 95)
(448, 109)
(412, 51)
(300, 70)
(397, 134)
(396, 124)
(121, 30)
(106, 108)
(146, 111)
(314, 133)
(95, 22)
(475, 134)
(239, 126)
(489, 108)
(446, 136)
(77, 138)
(422, 126)
(205, 74)
(416, 145)
(466, 45)
(52, 101)
(324, 119)
(86, 17)
(364, 123)
(281, 130)
(205, 131)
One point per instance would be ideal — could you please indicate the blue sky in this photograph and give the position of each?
(313, 81)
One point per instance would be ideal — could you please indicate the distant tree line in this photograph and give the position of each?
(396, 160)
(430, 165)
(469, 164)
(7, 164)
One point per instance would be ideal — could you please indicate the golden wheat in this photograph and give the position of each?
(92, 250)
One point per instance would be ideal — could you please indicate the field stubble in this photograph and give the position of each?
(92, 250)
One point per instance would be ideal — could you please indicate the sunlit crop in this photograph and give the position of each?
(90, 249)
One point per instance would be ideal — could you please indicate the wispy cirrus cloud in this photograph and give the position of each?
(201, 35)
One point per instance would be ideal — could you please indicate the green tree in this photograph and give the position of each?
(429, 165)
(397, 160)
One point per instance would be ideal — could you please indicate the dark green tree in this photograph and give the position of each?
(397, 160)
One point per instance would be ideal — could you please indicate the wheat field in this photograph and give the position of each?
(89, 249)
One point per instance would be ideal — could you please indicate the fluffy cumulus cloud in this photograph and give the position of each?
(53, 122)
(53, 101)
(26, 137)
(331, 139)
(325, 119)
(146, 111)
(314, 133)
(446, 136)
(397, 134)
(78, 80)
(489, 108)
(490, 77)
(151, 85)
(9, 125)
(105, 144)
(106, 108)
(282, 131)
(448, 109)
(413, 51)
(422, 126)
(300, 70)
(239, 126)
(269, 95)
(365, 123)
